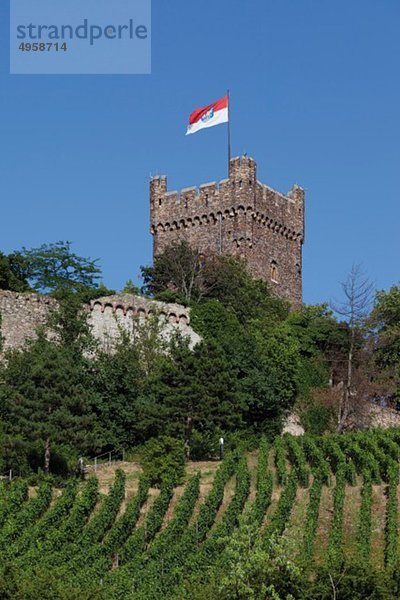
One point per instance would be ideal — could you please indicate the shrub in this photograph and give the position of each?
(280, 462)
(163, 458)
(242, 441)
(317, 419)
(204, 445)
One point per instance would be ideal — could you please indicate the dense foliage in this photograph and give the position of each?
(163, 458)
(63, 396)
(83, 546)
(14, 272)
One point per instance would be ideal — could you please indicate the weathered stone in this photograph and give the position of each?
(22, 314)
(240, 216)
(293, 425)
(109, 314)
(370, 415)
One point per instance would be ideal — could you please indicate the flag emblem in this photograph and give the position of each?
(208, 116)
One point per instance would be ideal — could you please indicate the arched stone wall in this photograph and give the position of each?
(22, 314)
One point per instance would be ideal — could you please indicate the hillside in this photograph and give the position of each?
(332, 501)
(294, 528)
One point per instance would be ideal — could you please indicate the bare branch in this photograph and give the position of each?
(358, 293)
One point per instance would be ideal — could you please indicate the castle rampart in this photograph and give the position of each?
(22, 314)
(238, 216)
(110, 314)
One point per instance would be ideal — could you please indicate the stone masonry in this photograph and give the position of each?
(22, 314)
(109, 314)
(240, 216)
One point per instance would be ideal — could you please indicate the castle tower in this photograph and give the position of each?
(240, 216)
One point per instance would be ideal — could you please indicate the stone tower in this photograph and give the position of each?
(240, 216)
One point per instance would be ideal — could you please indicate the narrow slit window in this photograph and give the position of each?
(274, 272)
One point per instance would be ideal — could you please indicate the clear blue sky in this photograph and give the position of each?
(315, 88)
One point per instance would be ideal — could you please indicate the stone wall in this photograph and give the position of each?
(292, 425)
(368, 415)
(373, 415)
(22, 314)
(240, 216)
(110, 314)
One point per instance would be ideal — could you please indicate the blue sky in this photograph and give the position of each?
(315, 92)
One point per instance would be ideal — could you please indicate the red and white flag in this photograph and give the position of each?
(208, 116)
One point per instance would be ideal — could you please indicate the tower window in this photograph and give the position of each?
(159, 202)
(274, 272)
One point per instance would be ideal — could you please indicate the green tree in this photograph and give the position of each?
(86, 294)
(197, 390)
(262, 358)
(48, 399)
(119, 380)
(176, 275)
(274, 384)
(47, 392)
(68, 324)
(323, 343)
(127, 411)
(14, 272)
(385, 319)
(182, 274)
(54, 268)
(227, 280)
(163, 458)
(130, 288)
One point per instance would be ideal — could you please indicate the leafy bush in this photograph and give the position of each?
(317, 419)
(241, 441)
(365, 520)
(265, 485)
(297, 458)
(163, 458)
(391, 527)
(311, 522)
(335, 548)
(319, 465)
(203, 445)
(280, 462)
(284, 507)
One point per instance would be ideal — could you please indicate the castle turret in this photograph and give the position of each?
(239, 216)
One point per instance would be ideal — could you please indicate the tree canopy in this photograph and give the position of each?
(55, 268)
(63, 394)
(14, 272)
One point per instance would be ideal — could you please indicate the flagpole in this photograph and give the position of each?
(229, 131)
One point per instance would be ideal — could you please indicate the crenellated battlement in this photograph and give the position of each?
(22, 314)
(137, 306)
(229, 216)
(241, 192)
